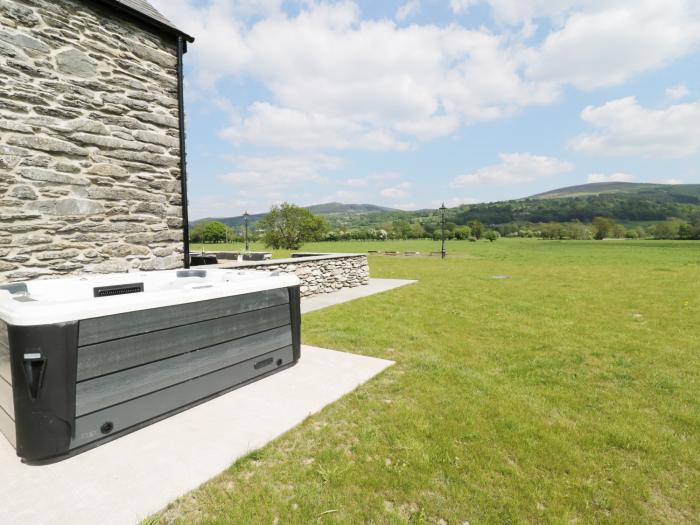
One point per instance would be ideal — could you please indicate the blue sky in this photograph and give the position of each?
(409, 103)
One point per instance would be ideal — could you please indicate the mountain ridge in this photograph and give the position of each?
(325, 209)
(622, 201)
(603, 188)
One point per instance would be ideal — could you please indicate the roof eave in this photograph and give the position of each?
(118, 6)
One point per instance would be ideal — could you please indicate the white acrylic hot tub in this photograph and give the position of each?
(87, 359)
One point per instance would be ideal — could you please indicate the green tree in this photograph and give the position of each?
(618, 231)
(685, 231)
(401, 229)
(477, 228)
(667, 230)
(491, 235)
(462, 233)
(602, 227)
(579, 231)
(288, 226)
(417, 231)
(197, 232)
(214, 231)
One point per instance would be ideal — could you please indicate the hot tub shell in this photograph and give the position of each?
(86, 360)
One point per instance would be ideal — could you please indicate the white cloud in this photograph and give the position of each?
(624, 127)
(271, 125)
(410, 8)
(613, 177)
(670, 181)
(334, 81)
(454, 201)
(398, 191)
(605, 43)
(260, 181)
(356, 183)
(461, 6)
(515, 168)
(331, 80)
(274, 174)
(677, 92)
(343, 196)
(457, 201)
(373, 180)
(523, 11)
(218, 206)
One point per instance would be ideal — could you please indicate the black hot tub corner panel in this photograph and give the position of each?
(43, 361)
(295, 315)
(72, 386)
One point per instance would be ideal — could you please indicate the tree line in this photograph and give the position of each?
(603, 228)
(288, 227)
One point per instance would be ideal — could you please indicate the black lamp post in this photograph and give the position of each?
(443, 209)
(245, 219)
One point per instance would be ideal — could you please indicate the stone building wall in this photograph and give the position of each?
(320, 274)
(89, 142)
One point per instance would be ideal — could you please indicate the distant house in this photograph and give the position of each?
(92, 160)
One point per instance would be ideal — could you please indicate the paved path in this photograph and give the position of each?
(126, 480)
(309, 304)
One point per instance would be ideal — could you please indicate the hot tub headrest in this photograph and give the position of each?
(15, 288)
(191, 273)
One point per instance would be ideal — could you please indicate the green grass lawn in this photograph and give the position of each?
(566, 393)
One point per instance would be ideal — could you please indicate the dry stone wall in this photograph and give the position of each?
(320, 274)
(89, 142)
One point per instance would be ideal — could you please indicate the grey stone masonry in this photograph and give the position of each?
(318, 274)
(89, 142)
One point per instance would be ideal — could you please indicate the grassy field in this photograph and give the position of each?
(568, 392)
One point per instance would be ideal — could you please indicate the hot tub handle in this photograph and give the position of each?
(34, 367)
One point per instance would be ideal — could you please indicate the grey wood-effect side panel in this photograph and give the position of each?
(4, 338)
(140, 322)
(112, 389)
(7, 402)
(7, 428)
(5, 369)
(112, 356)
(5, 372)
(142, 409)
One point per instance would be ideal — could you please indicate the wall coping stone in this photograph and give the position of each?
(289, 260)
(318, 273)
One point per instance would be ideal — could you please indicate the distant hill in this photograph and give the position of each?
(665, 191)
(622, 201)
(352, 209)
(338, 214)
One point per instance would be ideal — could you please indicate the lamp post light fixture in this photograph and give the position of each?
(245, 220)
(443, 209)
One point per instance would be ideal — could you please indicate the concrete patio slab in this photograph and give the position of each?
(124, 481)
(316, 302)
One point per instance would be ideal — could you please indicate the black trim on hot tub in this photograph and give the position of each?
(44, 364)
(295, 317)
